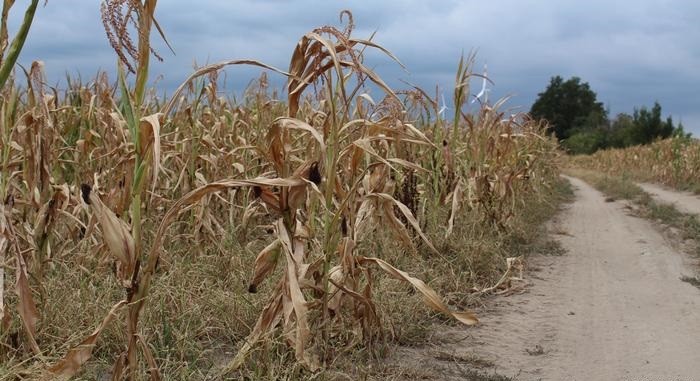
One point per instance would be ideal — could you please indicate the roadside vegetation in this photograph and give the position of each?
(673, 162)
(276, 235)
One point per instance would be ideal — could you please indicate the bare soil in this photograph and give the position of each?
(612, 308)
(683, 201)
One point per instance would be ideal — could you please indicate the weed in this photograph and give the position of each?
(695, 281)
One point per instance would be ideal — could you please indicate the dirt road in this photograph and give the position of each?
(683, 201)
(612, 308)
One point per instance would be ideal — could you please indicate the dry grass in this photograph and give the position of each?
(201, 237)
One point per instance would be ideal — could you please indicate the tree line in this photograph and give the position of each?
(583, 126)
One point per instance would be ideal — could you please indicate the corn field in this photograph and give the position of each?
(674, 162)
(130, 222)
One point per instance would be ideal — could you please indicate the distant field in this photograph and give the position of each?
(673, 162)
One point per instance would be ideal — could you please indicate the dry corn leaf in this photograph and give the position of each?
(294, 269)
(430, 297)
(353, 123)
(4, 245)
(115, 233)
(265, 263)
(26, 306)
(191, 199)
(248, 213)
(409, 217)
(378, 81)
(118, 368)
(512, 263)
(47, 214)
(209, 69)
(269, 318)
(76, 357)
(408, 164)
(368, 98)
(153, 371)
(330, 49)
(365, 145)
(296, 124)
(297, 196)
(149, 129)
(397, 226)
(239, 167)
(377, 46)
(456, 202)
(375, 180)
(363, 219)
(276, 149)
(269, 198)
(336, 276)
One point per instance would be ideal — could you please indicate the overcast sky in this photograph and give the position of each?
(630, 52)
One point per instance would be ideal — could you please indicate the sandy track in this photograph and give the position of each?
(612, 308)
(683, 201)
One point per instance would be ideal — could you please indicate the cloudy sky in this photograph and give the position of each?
(632, 53)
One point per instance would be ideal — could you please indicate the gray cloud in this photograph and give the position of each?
(631, 52)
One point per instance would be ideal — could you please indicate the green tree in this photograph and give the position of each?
(586, 142)
(648, 126)
(621, 131)
(642, 127)
(679, 131)
(569, 106)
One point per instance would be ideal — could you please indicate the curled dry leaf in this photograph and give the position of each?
(26, 306)
(364, 216)
(296, 124)
(456, 203)
(153, 370)
(47, 213)
(115, 232)
(409, 216)
(4, 245)
(295, 271)
(397, 226)
(365, 145)
(296, 197)
(239, 167)
(513, 264)
(407, 164)
(337, 280)
(118, 368)
(149, 131)
(430, 297)
(269, 318)
(265, 262)
(267, 197)
(210, 69)
(76, 357)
